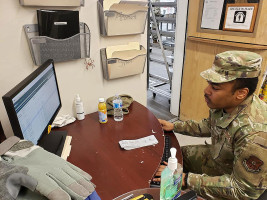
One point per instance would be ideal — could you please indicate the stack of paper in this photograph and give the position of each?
(127, 9)
(130, 50)
(108, 3)
(63, 120)
(142, 142)
(123, 17)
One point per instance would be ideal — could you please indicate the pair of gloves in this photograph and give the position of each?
(24, 164)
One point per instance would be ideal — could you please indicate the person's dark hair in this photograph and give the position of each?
(250, 83)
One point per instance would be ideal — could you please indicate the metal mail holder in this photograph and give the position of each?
(117, 67)
(64, 3)
(43, 48)
(114, 23)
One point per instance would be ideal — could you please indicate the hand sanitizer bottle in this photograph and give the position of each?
(79, 108)
(171, 179)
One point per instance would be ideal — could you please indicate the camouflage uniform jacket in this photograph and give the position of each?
(239, 145)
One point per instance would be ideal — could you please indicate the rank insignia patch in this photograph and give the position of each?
(252, 164)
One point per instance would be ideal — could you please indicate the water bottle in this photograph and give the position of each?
(117, 106)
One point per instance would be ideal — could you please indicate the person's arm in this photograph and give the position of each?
(193, 128)
(190, 127)
(248, 178)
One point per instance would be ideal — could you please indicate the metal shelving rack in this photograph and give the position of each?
(155, 81)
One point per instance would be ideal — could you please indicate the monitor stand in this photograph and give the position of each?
(53, 142)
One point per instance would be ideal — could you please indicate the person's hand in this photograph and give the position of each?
(183, 181)
(167, 126)
(160, 169)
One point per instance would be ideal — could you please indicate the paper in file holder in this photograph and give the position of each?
(43, 48)
(52, 3)
(123, 63)
(124, 18)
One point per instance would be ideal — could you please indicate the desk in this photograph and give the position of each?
(155, 192)
(96, 150)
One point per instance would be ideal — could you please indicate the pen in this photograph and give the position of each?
(49, 129)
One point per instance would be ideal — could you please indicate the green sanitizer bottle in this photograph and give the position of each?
(171, 178)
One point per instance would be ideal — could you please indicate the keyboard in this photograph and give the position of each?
(165, 157)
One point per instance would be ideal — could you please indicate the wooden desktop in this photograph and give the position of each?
(96, 150)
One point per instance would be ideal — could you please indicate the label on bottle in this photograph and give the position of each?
(117, 105)
(102, 116)
(171, 185)
(178, 185)
(79, 111)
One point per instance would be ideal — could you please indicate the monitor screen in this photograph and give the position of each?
(34, 103)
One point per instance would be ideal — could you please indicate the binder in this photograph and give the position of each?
(58, 24)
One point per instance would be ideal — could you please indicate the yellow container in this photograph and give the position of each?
(102, 111)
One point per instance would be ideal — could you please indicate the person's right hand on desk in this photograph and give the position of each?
(159, 171)
(167, 126)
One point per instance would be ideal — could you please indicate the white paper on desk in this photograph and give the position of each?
(211, 15)
(142, 142)
(63, 120)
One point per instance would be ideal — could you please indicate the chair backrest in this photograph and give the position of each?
(2, 135)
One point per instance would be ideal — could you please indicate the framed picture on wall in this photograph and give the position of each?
(240, 17)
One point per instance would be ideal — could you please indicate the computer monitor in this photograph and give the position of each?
(32, 106)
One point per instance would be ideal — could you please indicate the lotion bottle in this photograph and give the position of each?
(79, 108)
(171, 178)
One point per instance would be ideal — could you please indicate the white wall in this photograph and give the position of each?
(181, 18)
(73, 77)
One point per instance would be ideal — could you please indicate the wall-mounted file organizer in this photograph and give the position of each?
(64, 3)
(123, 63)
(124, 18)
(43, 48)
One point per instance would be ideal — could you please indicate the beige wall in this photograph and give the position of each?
(73, 77)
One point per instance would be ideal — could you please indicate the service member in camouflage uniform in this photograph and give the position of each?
(234, 166)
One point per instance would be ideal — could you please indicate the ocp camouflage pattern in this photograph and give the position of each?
(234, 166)
(229, 65)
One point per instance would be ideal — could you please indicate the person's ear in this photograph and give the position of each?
(241, 94)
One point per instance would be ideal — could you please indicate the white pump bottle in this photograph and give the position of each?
(79, 108)
(171, 178)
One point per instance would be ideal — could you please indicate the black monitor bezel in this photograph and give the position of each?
(7, 99)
